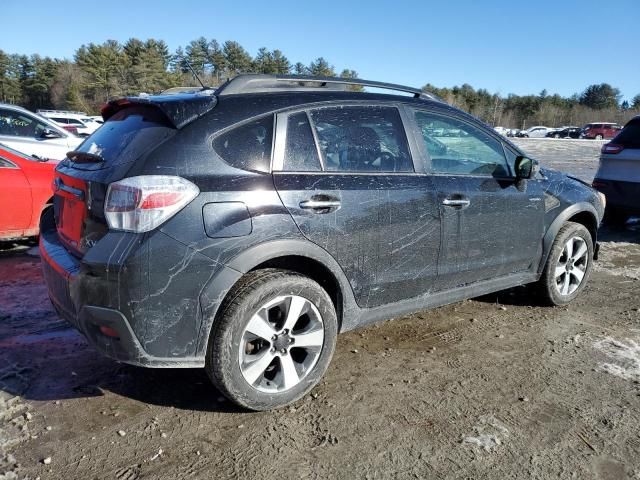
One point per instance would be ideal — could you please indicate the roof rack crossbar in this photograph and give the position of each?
(255, 83)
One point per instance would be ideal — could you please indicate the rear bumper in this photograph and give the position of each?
(62, 274)
(621, 195)
(151, 321)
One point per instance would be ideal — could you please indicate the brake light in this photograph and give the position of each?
(611, 148)
(140, 204)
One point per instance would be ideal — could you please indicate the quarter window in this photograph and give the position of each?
(460, 148)
(362, 139)
(248, 146)
(6, 163)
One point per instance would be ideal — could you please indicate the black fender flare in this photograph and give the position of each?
(217, 288)
(556, 225)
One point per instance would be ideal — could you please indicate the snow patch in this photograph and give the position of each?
(487, 433)
(625, 358)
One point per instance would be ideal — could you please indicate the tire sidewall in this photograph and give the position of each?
(227, 374)
(566, 232)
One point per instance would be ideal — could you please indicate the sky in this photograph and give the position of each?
(517, 46)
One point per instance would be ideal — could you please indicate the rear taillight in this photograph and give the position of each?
(140, 204)
(611, 148)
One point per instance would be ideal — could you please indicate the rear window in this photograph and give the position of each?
(127, 135)
(629, 137)
(247, 146)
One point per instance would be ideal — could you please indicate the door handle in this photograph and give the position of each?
(319, 204)
(456, 202)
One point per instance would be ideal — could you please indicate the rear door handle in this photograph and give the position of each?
(320, 205)
(456, 202)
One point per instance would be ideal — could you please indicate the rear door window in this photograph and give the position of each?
(362, 139)
(247, 146)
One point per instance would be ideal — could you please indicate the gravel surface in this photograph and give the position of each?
(578, 157)
(496, 387)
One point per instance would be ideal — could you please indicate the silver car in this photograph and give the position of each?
(618, 175)
(33, 134)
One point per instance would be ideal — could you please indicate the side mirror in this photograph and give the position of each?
(48, 133)
(526, 167)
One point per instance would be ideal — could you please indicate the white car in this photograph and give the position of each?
(84, 124)
(33, 134)
(538, 131)
(501, 130)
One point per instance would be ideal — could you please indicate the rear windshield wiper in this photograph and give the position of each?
(84, 157)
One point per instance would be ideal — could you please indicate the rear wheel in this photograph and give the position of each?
(273, 341)
(568, 266)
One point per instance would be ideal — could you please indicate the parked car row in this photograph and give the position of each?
(595, 131)
(83, 124)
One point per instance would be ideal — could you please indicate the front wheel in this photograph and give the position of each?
(568, 266)
(273, 340)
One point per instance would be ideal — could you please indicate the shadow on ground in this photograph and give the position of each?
(43, 359)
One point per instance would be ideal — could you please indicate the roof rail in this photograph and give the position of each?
(259, 83)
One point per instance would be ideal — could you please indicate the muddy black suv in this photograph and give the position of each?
(241, 229)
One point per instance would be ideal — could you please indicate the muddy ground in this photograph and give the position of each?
(496, 387)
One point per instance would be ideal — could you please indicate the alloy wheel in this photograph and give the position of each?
(571, 266)
(281, 344)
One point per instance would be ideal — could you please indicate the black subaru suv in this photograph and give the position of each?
(241, 229)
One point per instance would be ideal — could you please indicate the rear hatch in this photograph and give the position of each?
(133, 128)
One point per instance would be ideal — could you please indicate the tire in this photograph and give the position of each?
(256, 372)
(598, 137)
(556, 136)
(615, 217)
(552, 286)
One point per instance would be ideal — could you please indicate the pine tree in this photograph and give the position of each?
(237, 60)
(321, 68)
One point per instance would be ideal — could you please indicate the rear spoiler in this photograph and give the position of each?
(180, 110)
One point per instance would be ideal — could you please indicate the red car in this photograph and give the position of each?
(25, 190)
(600, 131)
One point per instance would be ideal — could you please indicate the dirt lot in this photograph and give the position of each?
(495, 387)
